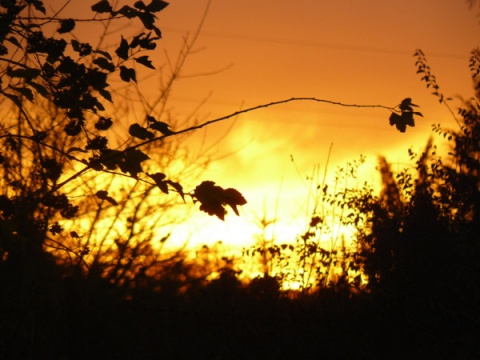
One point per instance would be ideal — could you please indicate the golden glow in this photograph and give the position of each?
(254, 52)
(346, 51)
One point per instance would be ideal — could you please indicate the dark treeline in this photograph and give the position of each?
(409, 290)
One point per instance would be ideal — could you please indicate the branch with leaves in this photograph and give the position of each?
(401, 110)
(74, 78)
(431, 81)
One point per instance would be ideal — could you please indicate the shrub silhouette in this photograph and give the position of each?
(420, 231)
(420, 249)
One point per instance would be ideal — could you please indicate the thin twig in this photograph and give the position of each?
(254, 108)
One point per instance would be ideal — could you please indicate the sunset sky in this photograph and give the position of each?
(357, 52)
(252, 52)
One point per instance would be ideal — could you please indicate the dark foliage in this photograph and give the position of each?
(418, 241)
(405, 118)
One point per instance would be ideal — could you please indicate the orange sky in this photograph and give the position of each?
(347, 51)
(252, 52)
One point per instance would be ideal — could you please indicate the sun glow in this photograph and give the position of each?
(256, 155)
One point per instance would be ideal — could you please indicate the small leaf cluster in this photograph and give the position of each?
(145, 133)
(405, 116)
(214, 198)
(163, 184)
(145, 13)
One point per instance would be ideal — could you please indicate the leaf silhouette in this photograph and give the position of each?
(24, 91)
(128, 161)
(405, 118)
(213, 198)
(128, 12)
(66, 26)
(38, 5)
(210, 199)
(160, 126)
(157, 5)
(110, 158)
(140, 5)
(177, 187)
(127, 74)
(27, 73)
(145, 61)
(132, 161)
(122, 50)
(104, 64)
(232, 197)
(140, 132)
(406, 105)
(162, 182)
(159, 179)
(42, 90)
(102, 7)
(398, 121)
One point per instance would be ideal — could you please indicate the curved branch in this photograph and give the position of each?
(257, 107)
